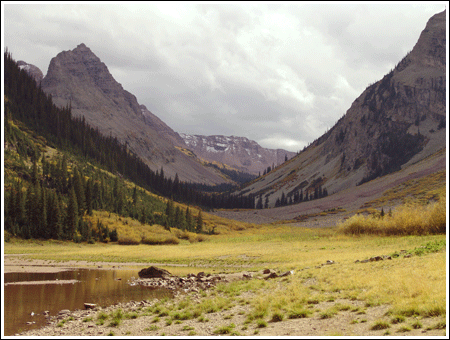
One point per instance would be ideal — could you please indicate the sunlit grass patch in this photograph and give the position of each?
(405, 220)
(225, 329)
(380, 324)
(298, 313)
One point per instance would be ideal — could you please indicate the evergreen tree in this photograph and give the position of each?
(54, 216)
(71, 215)
(143, 216)
(89, 196)
(189, 220)
(170, 213)
(78, 185)
(199, 224)
(43, 227)
(259, 204)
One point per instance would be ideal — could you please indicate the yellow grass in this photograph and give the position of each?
(410, 286)
(412, 219)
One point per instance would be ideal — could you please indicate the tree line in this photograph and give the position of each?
(28, 103)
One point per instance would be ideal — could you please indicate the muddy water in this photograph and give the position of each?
(23, 296)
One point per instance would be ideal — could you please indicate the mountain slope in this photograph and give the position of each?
(238, 152)
(79, 79)
(395, 122)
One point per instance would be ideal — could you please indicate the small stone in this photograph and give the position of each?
(290, 272)
(271, 276)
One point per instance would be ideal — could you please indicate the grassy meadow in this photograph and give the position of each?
(412, 284)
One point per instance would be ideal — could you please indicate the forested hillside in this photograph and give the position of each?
(58, 170)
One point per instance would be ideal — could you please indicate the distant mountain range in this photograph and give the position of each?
(238, 152)
(79, 79)
(395, 122)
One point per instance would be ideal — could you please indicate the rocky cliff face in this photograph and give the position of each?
(80, 79)
(32, 70)
(238, 152)
(395, 122)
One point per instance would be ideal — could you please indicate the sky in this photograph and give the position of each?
(279, 73)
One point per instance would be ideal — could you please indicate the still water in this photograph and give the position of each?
(102, 287)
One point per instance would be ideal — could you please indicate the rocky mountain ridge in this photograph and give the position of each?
(78, 78)
(32, 70)
(395, 122)
(238, 152)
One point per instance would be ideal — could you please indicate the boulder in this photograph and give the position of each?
(89, 305)
(272, 275)
(151, 272)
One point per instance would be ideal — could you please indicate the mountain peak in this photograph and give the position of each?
(79, 78)
(238, 152)
(395, 123)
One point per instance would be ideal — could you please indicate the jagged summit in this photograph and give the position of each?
(239, 152)
(32, 70)
(395, 122)
(80, 79)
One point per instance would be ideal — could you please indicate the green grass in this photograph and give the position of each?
(277, 317)
(406, 220)
(225, 329)
(411, 287)
(116, 317)
(260, 323)
(398, 319)
(380, 324)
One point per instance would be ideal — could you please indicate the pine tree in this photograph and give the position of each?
(43, 227)
(259, 204)
(71, 215)
(143, 216)
(78, 185)
(199, 224)
(189, 220)
(54, 216)
(89, 196)
(170, 213)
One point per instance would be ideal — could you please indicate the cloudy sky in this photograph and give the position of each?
(278, 73)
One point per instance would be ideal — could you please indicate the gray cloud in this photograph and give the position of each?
(280, 74)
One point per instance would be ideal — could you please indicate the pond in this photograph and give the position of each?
(28, 295)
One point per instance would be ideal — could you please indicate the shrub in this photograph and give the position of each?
(129, 239)
(260, 323)
(298, 313)
(407, 220)
(397, 319)
(380, 325)
(225, 329)
(277, 317)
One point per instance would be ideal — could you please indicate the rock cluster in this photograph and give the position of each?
(375, 258)
(191, 283)
(160, 278)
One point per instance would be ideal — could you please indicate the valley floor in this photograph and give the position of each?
(356, 320)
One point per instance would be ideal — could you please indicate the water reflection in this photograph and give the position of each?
(102, 287)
